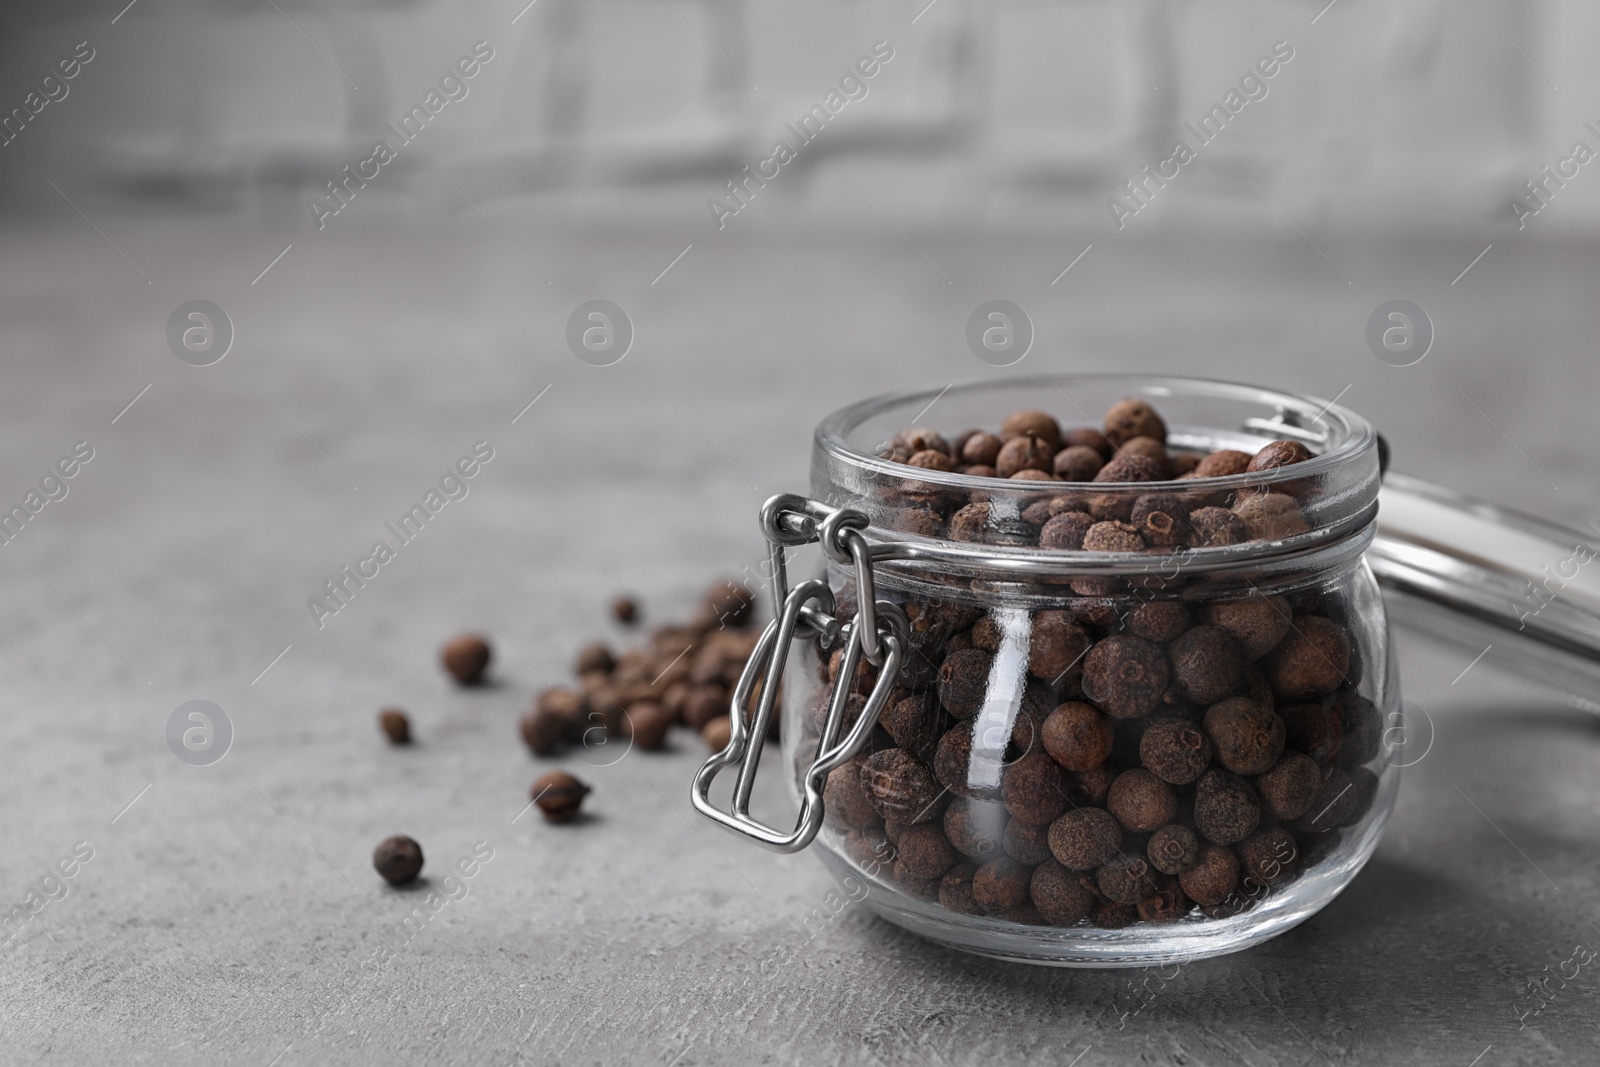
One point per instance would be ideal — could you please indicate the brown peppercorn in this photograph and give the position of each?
(1223, 462)
(1271, 516)
(1333, 805)
(1276, 454)
(963, 681)
(395, 726)
(914, 723)
(1059, 894)
(1158, 620)
(595, 657)
(543, 730)
(1206, 664)
(1125, 675)
(1213, 876)
(1090, 787)
(1034, 789)
(1214, 527)
(901, 786)
(1088, 437)
(1126, 468)
(1109, 915)
(986, 634)
(1288, 789)
(1226, 808)
(924, 851)
(1257, 623)
(971, 523)
(1361, 729)
(702, 704)
(1030, 475)
(845, 799)
(953, 758)
(398, 859)
(1027, 843)
(1130, 418)
(925, 522)
(625, 610)
(1037, 424)
(1077, 736)
(1084, 838)
(466, 658)
(1174, 750)
(645, 723)
(1173, 849)
(1148, 447)
(1247, 737)
(1313, 729)
(1313, 659)
(1162, 519)
(1125, 879)
(1166, 904)
(1181, 464)
(975, 828)
(1269, 856)
(1077, 463)
(559, 795)
(1024, 453)
(1000, 885)
(955, 890)
(981, 449)
(1065, 532)
(911, 885)
(1140, 801)
(1056, 646)
(930, 460)
(729, 604)
(979, 470)
(1113, 537)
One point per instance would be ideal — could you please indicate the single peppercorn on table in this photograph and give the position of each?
(231, 914)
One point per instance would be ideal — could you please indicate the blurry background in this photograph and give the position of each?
(994, 113)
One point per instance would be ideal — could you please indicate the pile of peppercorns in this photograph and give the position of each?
(683, 676)
(1167, 753)
(1179, 511)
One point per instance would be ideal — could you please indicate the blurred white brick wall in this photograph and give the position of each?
(999, 113)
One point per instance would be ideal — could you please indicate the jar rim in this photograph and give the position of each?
(1349, 447)
(1349, 436)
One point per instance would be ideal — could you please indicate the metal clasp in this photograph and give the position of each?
(879, 633)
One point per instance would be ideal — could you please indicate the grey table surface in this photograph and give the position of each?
(227, 913)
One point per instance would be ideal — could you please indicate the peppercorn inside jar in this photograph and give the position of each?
(1138, 711)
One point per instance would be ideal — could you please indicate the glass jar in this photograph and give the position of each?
(1083, 723)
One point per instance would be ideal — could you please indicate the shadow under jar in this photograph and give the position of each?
(1082, 723)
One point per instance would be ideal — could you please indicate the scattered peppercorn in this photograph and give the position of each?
(398, 859)
(466, 658)
(625, 610)
(646, 724)
(395, 726)
(1140, 801)
(543, 730)
(595, 657)
(1084, 838)
(558, 795)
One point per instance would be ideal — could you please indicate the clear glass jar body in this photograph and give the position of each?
(1080, 746)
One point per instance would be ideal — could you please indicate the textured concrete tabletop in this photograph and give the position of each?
(229, 913)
